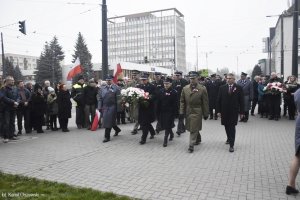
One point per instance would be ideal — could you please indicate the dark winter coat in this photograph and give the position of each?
(108, 104)
(166, 108)
(230, 105)
(90, 95)
(247, 92)
(212, 88)
(64, 104)
(38, 105)
(255, 89)
(77, 94)
(9, 97)
(297, 131)
(147, 110)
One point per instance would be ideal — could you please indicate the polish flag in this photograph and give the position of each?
(75, 70)
(96, 121)
(117, 73)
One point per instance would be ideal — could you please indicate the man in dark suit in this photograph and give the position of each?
(230, 104)
(212, 87)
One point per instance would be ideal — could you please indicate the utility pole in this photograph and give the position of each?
(295, 40)
(282, 51)
(3, 57)
(196, 37)
(104, 41)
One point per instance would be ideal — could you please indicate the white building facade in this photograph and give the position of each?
(154, 38)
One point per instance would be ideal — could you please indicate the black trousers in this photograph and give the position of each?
(23, 112)
(230, 132)
(80, 121)
(254, 102)
(1, 123)
(274, 105)
(53, 121)
(63, 123)
(211, 112)
(291, 107)
(146, 128)
(168, 132)
(9, 123)
(121, 117)
(108, 130)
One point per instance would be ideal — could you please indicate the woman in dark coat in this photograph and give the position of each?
(295, 164)
(64, 107)
(167, 109)
(38, 108)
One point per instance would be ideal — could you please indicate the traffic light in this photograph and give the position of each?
(22, 27)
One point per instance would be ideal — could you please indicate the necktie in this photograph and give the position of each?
(230, 89)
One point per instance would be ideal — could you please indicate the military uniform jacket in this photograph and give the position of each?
(230, 105)
(166, 107)
(147, 113)
(246, 85)
(194, 103)
(108, 104)
(212, 88)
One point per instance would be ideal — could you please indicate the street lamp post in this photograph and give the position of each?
(295, 40)
(196, 37)
(104, 41)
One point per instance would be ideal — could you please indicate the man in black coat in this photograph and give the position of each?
(178, 84)
(166, 109)
(147, 109)
(158, 84)
(230, 104)
(212, 87)
(90, 102)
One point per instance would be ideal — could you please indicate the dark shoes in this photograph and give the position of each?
(290, 190)
(65, 130)
(165, 145)
(117, 133)
(106, 140)
(142, 142)
(152, 137)
(227, 142)
(134, 132)
(191, 149)
(231, 149)
(40, 131)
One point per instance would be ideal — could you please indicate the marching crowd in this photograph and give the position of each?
(190, 99)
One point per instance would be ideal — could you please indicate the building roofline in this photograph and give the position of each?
(149, 12)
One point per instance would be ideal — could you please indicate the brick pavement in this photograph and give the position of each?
(258, 168)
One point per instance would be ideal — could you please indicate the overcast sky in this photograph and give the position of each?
(227, 28)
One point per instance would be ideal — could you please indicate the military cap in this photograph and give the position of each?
(243, 74)
(193, 74)
(109, 77)
(144, 76)
(178, 73)
(135, 72)
(168, 80)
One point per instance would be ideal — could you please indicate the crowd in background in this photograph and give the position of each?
(25, 107)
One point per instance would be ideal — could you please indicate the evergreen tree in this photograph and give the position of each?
(84, 55)
(256, 72)
(48, 65)
(9, 67)
(18, 74)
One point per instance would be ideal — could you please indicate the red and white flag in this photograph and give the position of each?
(96, 120)
(117, 73)
(76, 69)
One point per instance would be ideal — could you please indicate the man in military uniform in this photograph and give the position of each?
(77, 95)
(108, 107)
(212, 87)
(147, 109)
(178, 84)
(133, 108)
(194, 105)
(159, 84)
(248, 95)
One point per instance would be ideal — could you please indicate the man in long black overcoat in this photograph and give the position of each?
(230, 104)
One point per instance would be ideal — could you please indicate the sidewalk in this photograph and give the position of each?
(258, 169)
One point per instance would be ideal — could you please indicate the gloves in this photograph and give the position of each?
(206, 117)
(181, 116)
